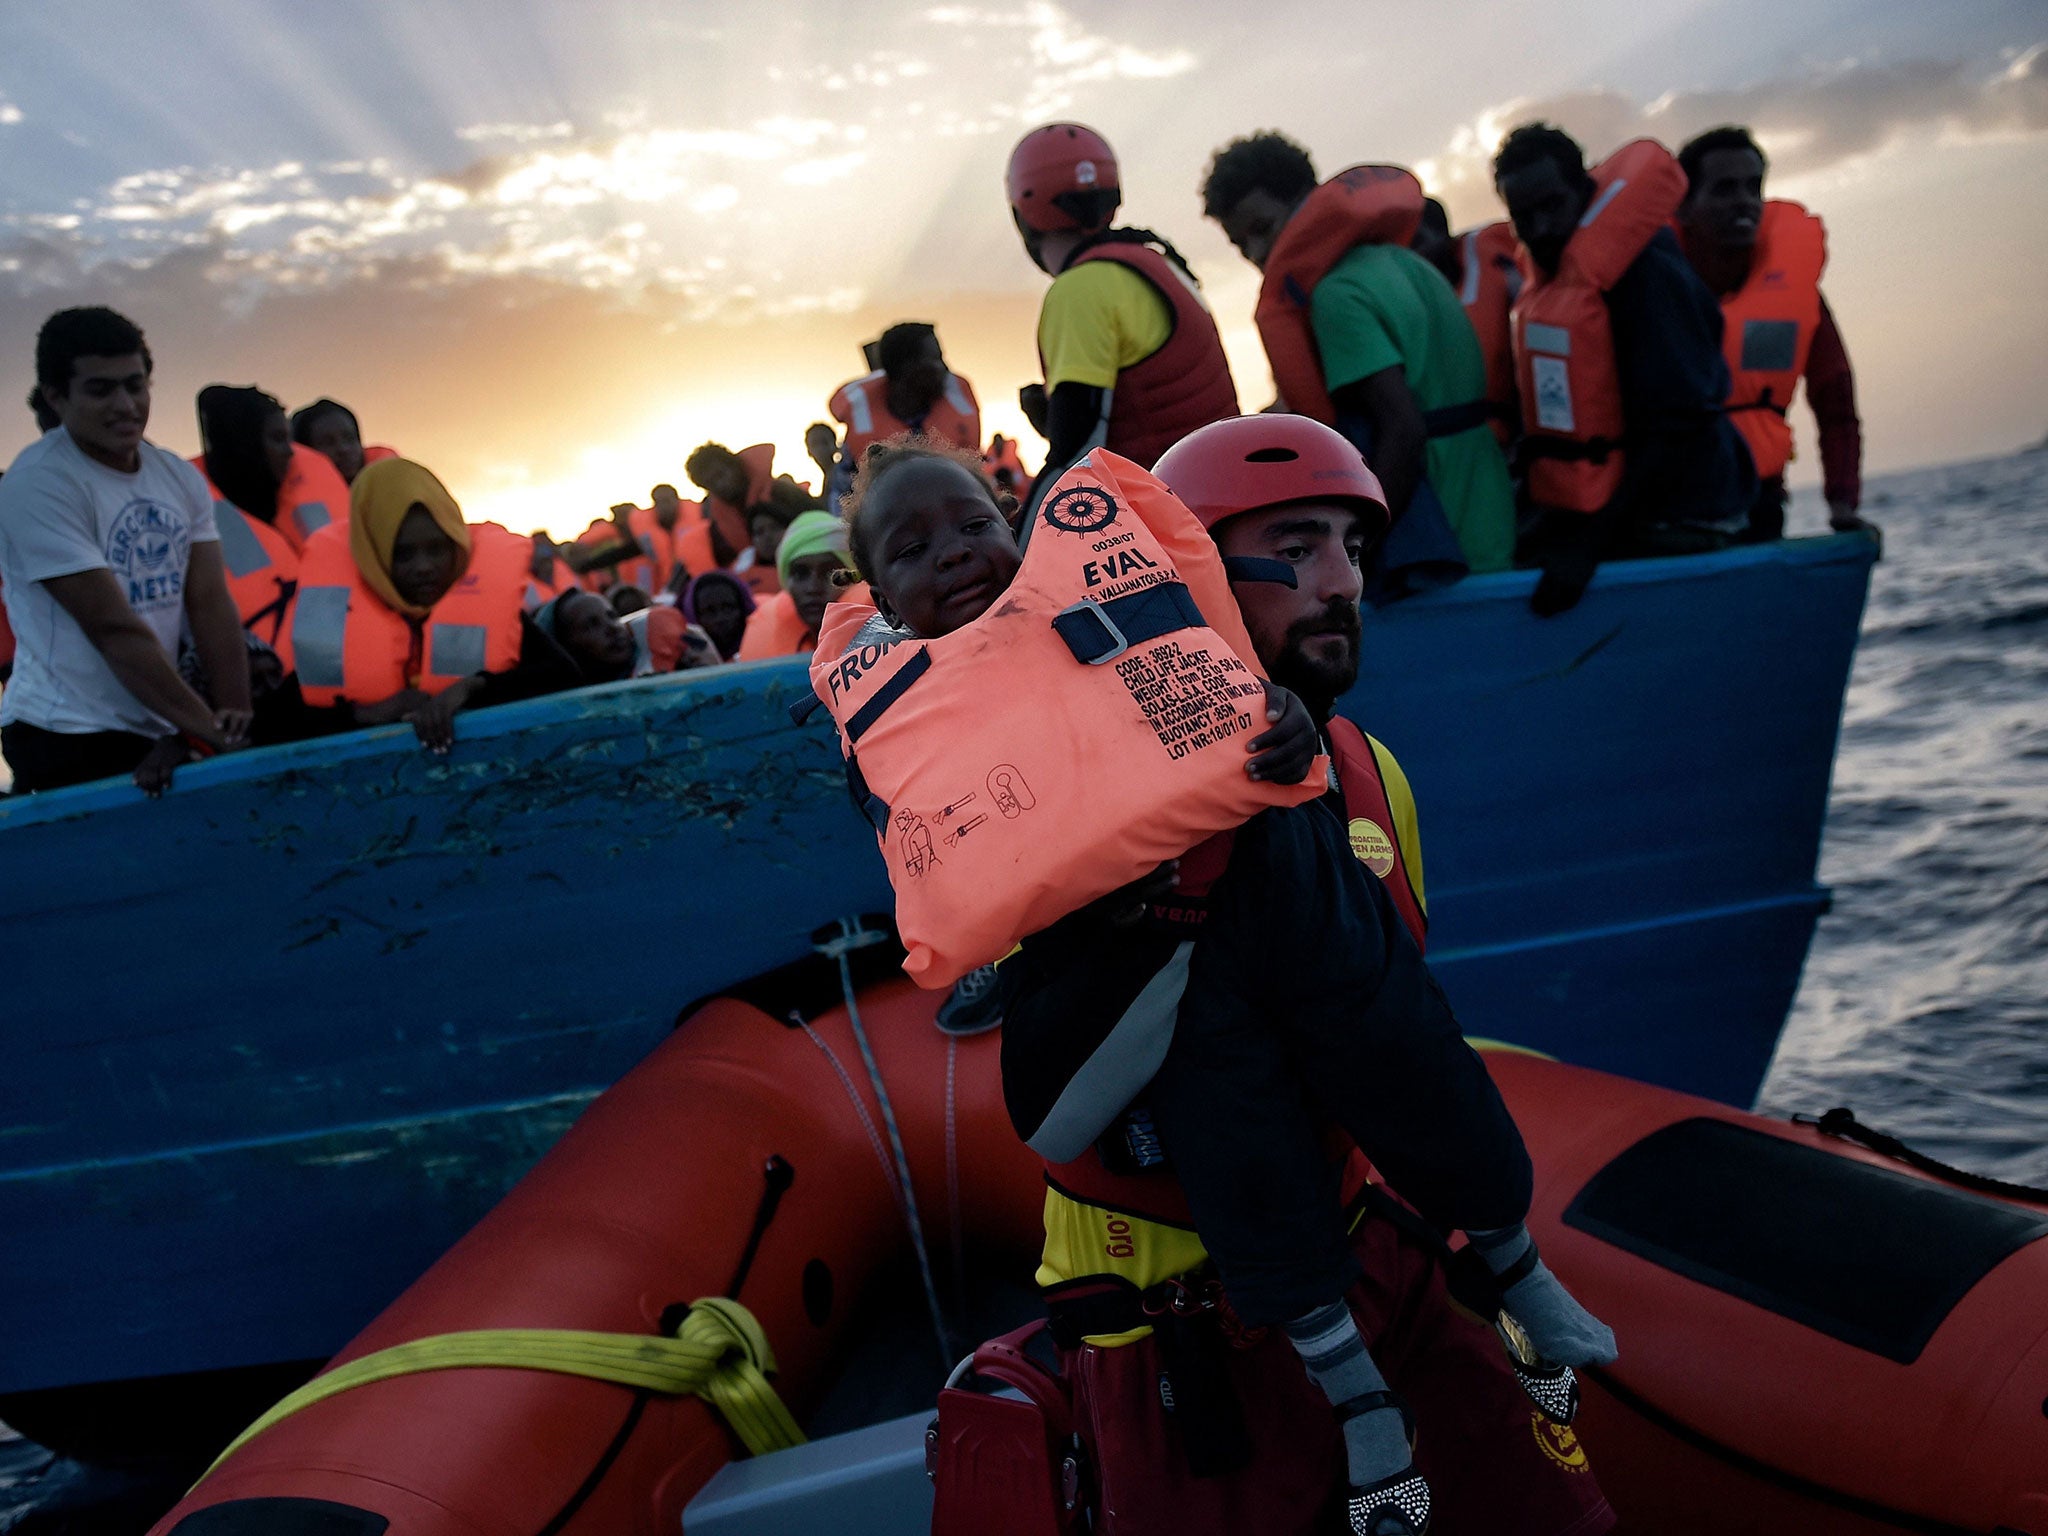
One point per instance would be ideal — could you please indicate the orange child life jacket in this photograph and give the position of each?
(1572, 419)
(1131, 690)
(1770, 323)
(1365, 205)
(862, 407)
(1489, 280)
(351, 648)
(1183, 386)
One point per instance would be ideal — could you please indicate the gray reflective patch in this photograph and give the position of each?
(1769, 346)
(1117, 1071)
(456, 650)
(240, 550)
(310, 516)
(1554, 339)
(319, 633)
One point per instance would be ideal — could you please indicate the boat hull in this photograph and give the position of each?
(276, 1040)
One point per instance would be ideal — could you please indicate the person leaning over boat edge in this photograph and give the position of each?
(107, 548)
(1625, 449)
(1763, 261)
(1132, 358)
(405, 611)
(1366, 336)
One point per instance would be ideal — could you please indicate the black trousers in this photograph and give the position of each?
(54, 759)
(1307, 1003)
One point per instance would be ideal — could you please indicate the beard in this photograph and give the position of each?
(1316, 677)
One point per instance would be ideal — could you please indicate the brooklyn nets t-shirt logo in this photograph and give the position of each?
(1083, 509)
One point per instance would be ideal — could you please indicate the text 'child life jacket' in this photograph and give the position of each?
(1364, 205)
(1087, 728)
(1572, 420)
(1769, 327)
(1183, 386)
(352, 648)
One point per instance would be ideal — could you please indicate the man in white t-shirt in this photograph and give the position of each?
(107, 552)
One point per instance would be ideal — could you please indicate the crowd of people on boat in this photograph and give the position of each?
(1606, 373)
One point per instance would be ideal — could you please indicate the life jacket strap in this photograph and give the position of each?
(1593, 450)
(862, 720)
(1259, 568)
(1450, 420)
(1097, 632)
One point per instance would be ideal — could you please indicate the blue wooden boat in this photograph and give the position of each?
(275, 1041)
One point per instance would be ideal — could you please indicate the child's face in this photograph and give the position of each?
(942, 552)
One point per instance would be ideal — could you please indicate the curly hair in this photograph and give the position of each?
(903, 449)
(1258, 162)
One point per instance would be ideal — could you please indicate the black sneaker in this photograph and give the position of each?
(974, 1006)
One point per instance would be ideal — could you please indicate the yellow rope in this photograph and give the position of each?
(720, 1354)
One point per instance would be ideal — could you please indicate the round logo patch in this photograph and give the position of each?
(1559, 1444)
(1374, 848)
(1083, 509)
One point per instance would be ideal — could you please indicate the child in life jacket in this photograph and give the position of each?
(1294, 998)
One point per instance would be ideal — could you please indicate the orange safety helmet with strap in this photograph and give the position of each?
(1365, 205)
(1572, 419)
(1489, 281)
(352, 648)
(1137, 687)
(1769, 327)
(1183, 386)
(862, 407)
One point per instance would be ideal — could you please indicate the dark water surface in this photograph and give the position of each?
(1925, 1001)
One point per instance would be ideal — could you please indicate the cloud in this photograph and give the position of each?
(1807, 124)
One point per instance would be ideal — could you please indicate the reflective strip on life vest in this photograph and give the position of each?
(309, 517)
(1468, 293)
(319, 631)
(240, 550)
(956, 396)
(457, 650)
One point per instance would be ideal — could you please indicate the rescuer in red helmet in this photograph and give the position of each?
(1132, 358)
(1295, 512)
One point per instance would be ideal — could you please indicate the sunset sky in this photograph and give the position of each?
(547, 249)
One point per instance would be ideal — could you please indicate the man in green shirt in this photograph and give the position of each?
(1402, 365)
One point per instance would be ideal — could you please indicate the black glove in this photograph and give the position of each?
(1563, 582)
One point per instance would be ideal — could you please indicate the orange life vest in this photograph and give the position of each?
(775, 629)
(378, 451)
(1020, 482)
(539, 593)
(1130, 690)
(731, 520)
(312, 496)
(1769, 326)
(352, 648)
(1365, 205)
(1489, 279)
(1572, 420)
(263, 572)
(862, 406)
(1183, 386)
(762, 579)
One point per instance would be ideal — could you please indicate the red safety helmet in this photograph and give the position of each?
(1050, 166)
(1249, 463)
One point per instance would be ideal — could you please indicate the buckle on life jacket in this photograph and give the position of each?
(1072, 624)
(1097, 631)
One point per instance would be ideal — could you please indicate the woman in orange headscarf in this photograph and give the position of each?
(405, 612)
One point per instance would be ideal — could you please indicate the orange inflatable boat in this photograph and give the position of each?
(1814, 1340)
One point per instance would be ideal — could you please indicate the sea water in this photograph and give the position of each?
(1924, 1006)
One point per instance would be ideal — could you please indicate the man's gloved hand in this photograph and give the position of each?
(1563, 582)
(1563, 1332)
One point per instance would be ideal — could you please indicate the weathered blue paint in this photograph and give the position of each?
(275, 1041)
